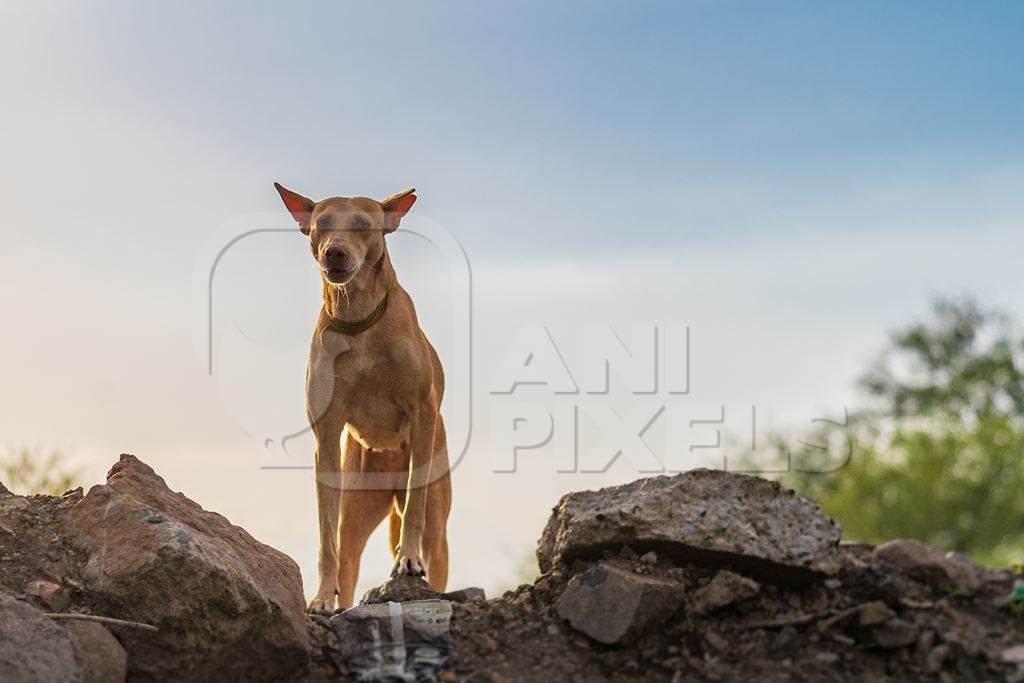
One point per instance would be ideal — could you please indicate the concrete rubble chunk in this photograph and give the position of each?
(613, 606)
(703, 516)
(726, 588)
(928, 565)
(227, 607)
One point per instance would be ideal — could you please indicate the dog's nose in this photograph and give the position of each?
(334, 252)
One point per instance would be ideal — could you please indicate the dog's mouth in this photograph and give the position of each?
(337, 275)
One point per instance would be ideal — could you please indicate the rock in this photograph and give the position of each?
(47, 594)
(14, 504)
(1013, 655)
(400, 589)
(612, 605)
(650, 557)
(723, 590)
(786, 644)
(895, 633)
(937, 658)
(227, 606)
(874, 613)
(409, 588)
(918, 561)
(465, 594)
(34, 647)
(101, 657)
(716, 641)
(703, 516)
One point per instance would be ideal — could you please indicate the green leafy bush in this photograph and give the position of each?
(938, 452)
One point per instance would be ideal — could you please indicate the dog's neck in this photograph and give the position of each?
(358, 298)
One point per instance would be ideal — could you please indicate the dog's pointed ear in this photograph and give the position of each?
(300, 207)
(395, 207)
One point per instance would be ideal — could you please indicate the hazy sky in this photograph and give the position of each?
(788, 180)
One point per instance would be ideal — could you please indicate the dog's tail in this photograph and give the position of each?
(394, 530)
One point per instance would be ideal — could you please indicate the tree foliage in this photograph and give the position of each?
(937, 452)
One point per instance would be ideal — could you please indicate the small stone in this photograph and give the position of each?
(786, 644)
(874, 613)
(895, 633)
(465, 595)
(48, 594)
(552, 630)
(487, 643)
(1013, 655)
(649, 558)
(826, 658)
(928, 565)
(723, 590)
(612, 605)
(937, 658)
(833, 584)
(100, 654)
(716, 641)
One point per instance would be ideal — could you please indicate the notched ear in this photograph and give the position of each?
(300, 207)
(395, 207)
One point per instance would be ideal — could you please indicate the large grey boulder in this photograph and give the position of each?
(701, 516)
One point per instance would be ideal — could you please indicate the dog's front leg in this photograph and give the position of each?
(409, 555)
(328, 503)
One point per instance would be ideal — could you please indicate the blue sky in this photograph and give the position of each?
(791, 180)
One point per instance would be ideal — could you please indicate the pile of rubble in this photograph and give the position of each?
(705, 575)
(204, 600)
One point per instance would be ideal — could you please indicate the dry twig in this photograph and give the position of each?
(102, 620)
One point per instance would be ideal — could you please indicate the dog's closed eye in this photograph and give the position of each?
(323, 222)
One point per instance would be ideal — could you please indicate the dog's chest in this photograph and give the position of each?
(369, 389)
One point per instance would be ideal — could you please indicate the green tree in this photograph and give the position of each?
(938, 452)
(27, 471)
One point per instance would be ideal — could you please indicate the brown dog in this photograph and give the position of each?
(375, 381)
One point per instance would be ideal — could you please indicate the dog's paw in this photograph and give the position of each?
(321, 605)
(409, 564)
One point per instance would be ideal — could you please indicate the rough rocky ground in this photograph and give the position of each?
(701, 576)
